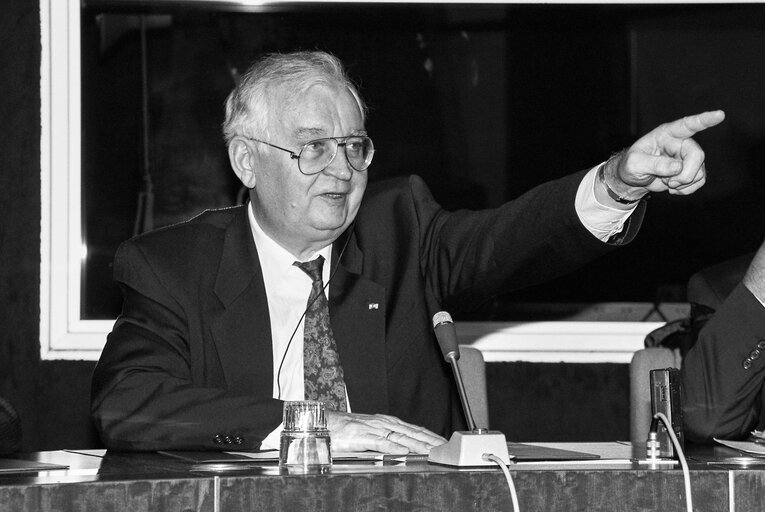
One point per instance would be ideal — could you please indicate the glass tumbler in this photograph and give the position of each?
(304, 447)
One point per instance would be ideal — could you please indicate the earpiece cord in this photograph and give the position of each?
(289, 343)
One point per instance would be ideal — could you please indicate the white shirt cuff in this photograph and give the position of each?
(271, 442)
(600, 220)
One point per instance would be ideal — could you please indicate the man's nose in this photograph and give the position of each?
(339, 166)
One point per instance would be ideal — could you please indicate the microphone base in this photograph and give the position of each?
(467, 449)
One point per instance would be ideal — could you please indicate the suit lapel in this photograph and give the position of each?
(242, 331)
(357, 314)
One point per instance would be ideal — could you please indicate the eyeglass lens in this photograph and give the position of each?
(316, 155)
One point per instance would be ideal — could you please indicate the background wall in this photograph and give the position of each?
(51, 396)
(569, 78)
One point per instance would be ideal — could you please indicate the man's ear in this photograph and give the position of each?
(242, 159)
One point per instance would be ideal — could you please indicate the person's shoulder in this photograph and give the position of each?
(199, 230)
(391, 191)
(396, 184)
(213, 219)
(711, 285)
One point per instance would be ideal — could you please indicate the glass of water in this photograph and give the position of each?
(305, 446)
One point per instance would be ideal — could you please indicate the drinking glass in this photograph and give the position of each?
(305, 446)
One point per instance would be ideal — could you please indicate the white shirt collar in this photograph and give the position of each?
(275, 260)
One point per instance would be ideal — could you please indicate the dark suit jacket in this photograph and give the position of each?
(189, 362)
(723, 373)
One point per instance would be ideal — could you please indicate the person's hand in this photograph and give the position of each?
(352, 432)
(666, 158)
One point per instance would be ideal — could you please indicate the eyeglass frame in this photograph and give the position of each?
(296, 156)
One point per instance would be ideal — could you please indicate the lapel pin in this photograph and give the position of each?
(374, 305)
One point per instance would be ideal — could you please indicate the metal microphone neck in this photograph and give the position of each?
(452, 358)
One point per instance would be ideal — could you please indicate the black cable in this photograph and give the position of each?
(308, 306)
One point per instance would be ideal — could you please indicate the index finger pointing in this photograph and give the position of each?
(690, 125)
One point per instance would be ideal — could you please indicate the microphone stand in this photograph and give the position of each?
(464, 448)
(452, 358)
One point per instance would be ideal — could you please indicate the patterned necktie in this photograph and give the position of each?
(322, 372)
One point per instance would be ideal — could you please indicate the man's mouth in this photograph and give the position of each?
(334, 195)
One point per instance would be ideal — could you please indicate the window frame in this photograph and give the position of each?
(64, 335)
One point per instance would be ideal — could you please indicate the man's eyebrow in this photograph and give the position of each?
(315, 133)
(309, 133)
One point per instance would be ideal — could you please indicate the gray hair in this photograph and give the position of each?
(291, 74)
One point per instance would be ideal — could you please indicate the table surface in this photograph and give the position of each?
(98, 480)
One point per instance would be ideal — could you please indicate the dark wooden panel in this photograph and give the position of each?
(547, 490)
(369, 492)
(183, 495)
(150, 482)
(749, 490)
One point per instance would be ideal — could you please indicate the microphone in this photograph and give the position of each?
(464, 448)
(446, 334)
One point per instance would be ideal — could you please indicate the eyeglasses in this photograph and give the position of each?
(316, 155)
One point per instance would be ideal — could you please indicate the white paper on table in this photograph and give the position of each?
(744, 446)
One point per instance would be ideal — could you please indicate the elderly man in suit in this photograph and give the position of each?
(216, 332)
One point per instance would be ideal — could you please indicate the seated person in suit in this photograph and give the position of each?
(216, 331)
(724, 371)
